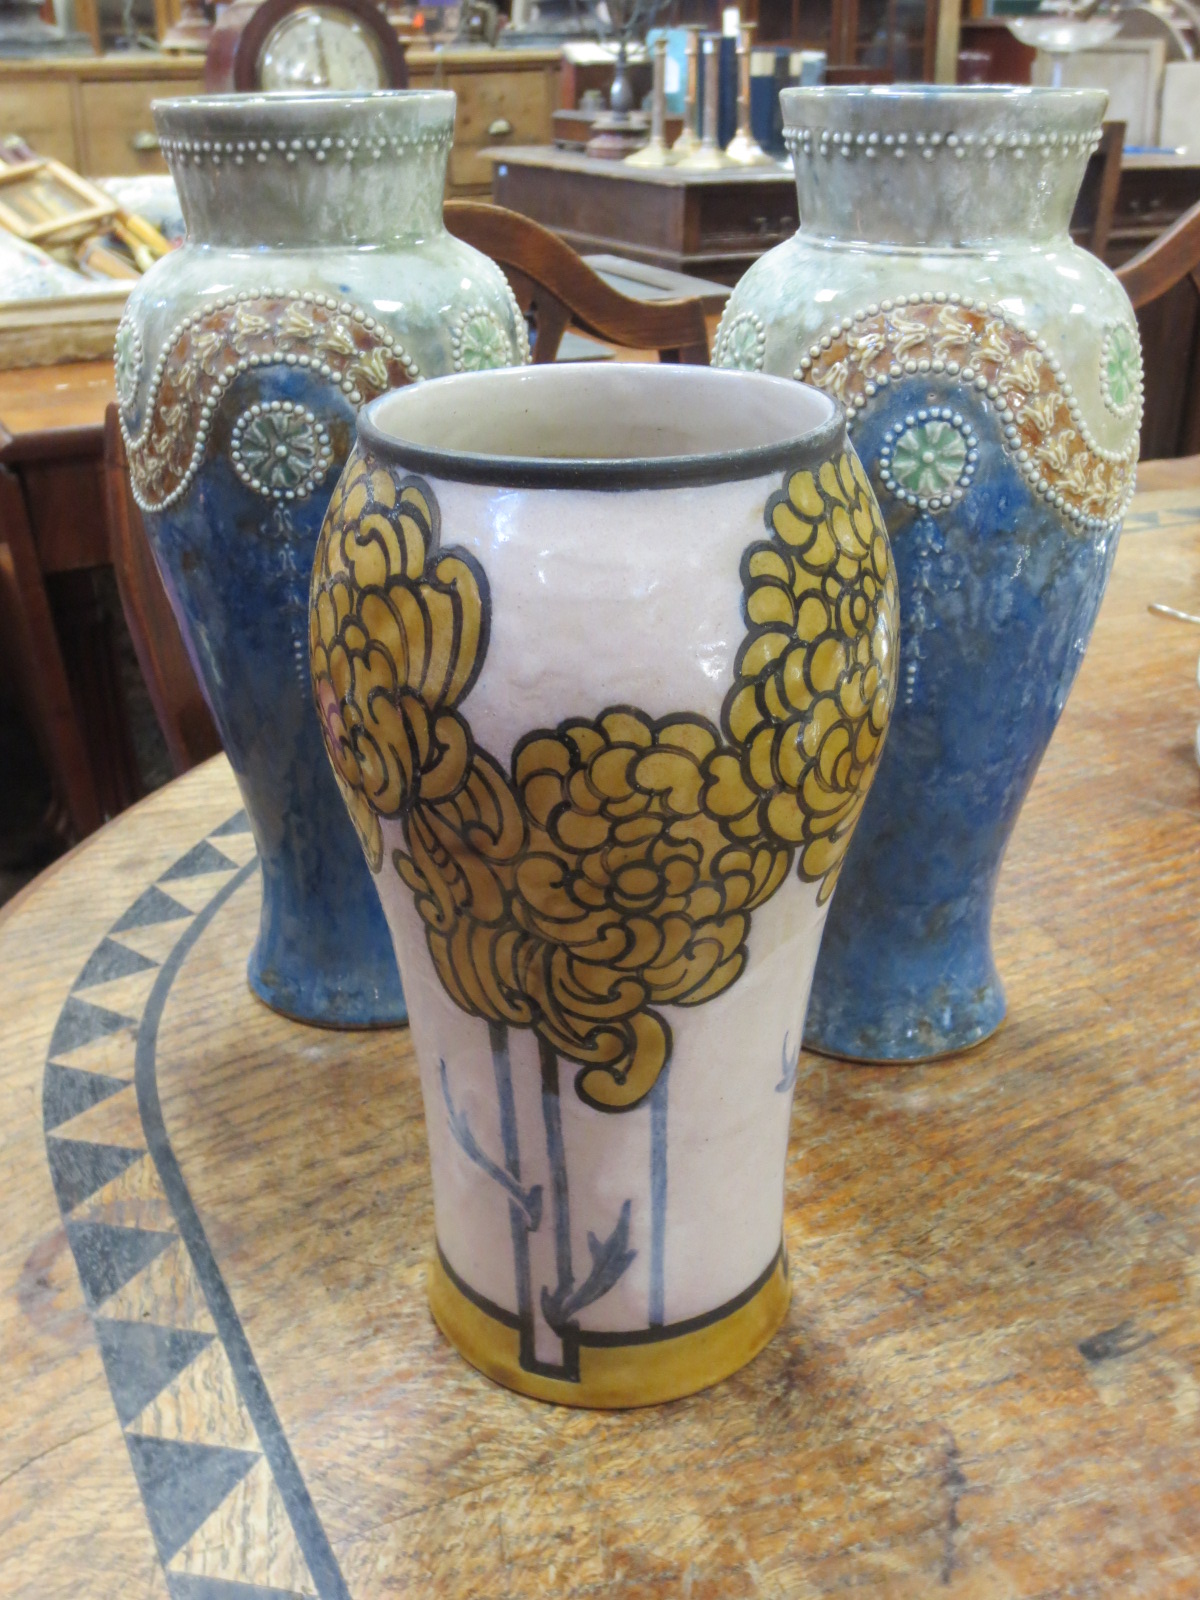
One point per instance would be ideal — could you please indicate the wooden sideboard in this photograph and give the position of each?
(708, 224)
(716, 224)
(94, 112)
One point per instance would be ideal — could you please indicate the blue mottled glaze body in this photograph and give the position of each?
(239, 582)
(317, 273)
(997, 604)
(991, 375)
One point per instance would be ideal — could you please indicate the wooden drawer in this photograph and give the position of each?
(117, 121)
(496, 108)
(40, 112)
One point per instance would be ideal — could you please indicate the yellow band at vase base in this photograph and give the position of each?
(613, 1370)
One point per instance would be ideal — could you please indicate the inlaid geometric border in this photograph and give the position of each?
(227, 1506)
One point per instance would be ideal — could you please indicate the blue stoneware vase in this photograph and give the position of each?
(316, 274)
(991, 372)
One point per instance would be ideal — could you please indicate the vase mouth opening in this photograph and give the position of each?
(581, 426)
(973, 106)
(317, 112)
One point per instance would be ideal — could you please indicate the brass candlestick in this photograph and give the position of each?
(709, 157)
(656, 153)
(744, 148)
(689, 139)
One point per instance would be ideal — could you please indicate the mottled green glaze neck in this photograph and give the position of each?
(299, 171)
(936, 168)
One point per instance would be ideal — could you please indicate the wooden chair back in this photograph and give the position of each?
(1163, 282)
(1097, 202)
(183, 715)
(560, 290)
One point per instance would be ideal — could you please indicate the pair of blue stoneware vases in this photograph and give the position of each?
(989, 368)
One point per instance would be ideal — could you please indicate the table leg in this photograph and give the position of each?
(45, 688)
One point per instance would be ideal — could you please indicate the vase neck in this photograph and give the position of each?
(931, 168)
(305, 171)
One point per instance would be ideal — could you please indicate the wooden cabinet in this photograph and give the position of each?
(116, 128)
(504, 96)
(508, 99)
(41, 114)
(94, 113)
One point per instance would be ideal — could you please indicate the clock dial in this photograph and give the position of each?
(319, 47)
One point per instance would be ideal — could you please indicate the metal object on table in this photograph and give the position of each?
(656, 153)
(689, 140)
(708, 157)
(23, 32)
(744, 148)
(478, 23)
(1170, 611)
(1061, 35)
(193, 28)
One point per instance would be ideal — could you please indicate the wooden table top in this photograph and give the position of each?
(222, 1382)
(549, 155)
(40, 401)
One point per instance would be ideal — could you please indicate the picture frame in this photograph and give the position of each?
(44, 203)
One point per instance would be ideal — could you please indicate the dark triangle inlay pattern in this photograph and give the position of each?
(185, 1586)
(66, 1092)
(150, 907)
(203, 858)
(240, 823)
(79, 1168)
(111, 960)
(141, 1360)
(80, 1023)
(108, 1257)
(183, 1484)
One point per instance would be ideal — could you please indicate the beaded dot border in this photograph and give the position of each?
(726, 333)
(322, 452)
(915, 419)
(128, 371)
(330, 148)
(234, 370)
(926, 144)
(1136, 395)
(966, 374)
(472, 316)
(519, 323)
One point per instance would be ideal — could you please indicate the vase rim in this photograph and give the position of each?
(319, 110)
(939, 91)
(579, 399)
(281, 98)
(970, 105)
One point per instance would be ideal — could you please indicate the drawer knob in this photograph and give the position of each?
(500, 129)
(144, 141)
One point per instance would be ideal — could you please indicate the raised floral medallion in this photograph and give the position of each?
(314, 334)
(1009, 369)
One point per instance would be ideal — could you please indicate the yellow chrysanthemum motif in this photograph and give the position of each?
(816, 675)
(630, 892)
(395, 642)
(616, 870)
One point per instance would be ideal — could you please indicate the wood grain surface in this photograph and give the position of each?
(222, 1381)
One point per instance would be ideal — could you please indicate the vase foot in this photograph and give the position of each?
(905, 1035)
(616, 1371)
(337, 1008)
